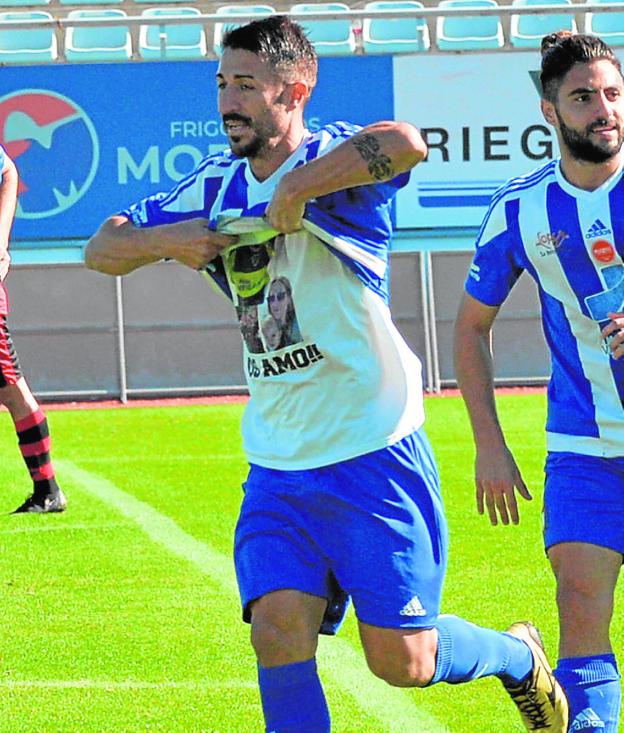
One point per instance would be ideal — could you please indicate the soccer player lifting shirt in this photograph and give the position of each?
(342, 492)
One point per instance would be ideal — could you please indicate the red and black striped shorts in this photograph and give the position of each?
(10, 370)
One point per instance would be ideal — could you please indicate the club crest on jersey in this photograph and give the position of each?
(549, 242)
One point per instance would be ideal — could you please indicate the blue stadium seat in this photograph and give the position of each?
(332, 37)
(395, 35)
(172, 41)
(527, 31)
(21, 3)
(468, 32)
(97, 42)
(89, 2)
(220, 28)
(609, 26)
(25, 45)
(154, 2)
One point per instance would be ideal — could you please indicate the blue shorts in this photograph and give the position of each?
(584, 500)
(375, 522)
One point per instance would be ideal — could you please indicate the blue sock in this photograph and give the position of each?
(592, 686)
(292, 698)
(467, 652)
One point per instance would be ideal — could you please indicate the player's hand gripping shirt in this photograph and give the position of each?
(571, 241)
(329, 375)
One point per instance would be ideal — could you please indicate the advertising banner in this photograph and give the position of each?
(90, 139)
(481, 118)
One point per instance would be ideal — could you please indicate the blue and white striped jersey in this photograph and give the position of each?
(571, 241)
(329, 375)
(357, 221)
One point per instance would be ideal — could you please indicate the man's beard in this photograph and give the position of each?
(582, 148)
(249, 150)
(262, 133)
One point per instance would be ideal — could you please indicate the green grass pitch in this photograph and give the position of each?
(121, 616)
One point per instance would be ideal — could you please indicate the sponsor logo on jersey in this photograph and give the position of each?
(603, 250)
(55, 148)
(550, 242)
(597, 229)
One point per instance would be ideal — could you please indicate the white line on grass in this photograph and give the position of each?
(158, 527)
(390, 706)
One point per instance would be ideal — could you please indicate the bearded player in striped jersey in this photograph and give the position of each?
(342, 491)
(564, 225)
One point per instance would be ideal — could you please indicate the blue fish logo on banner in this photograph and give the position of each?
(55, 148)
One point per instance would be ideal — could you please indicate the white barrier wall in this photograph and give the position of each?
(162, 330)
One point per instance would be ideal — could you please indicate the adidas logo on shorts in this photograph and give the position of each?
(413, 608)
(586, 720)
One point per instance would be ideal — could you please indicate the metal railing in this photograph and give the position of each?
(60, 23)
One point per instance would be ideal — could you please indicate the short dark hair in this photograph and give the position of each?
(280, 42)
(561, 50)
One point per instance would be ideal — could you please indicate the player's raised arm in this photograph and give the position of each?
(496, 474)
(118, 247)
(377, 153)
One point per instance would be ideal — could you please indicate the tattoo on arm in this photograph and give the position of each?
(379, 165)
